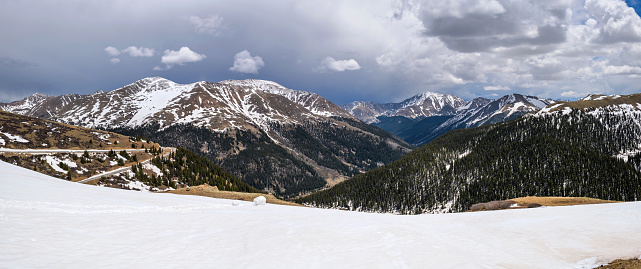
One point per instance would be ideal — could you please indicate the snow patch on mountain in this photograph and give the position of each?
(157, 96)
(54, 162)
(15, 138)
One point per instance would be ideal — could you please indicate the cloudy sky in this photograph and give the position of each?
(379, 51)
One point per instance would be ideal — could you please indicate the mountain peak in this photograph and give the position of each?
(256, 83)
(421, 97)
(150, 82)
(421, 105)
(311, 101)
(38, 96)
(25, 104)
(155, 79)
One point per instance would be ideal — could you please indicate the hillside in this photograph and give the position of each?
(24, 132)
(66, 151)
(569, 153)
(276, 139)
(75, 225)
(104, 158)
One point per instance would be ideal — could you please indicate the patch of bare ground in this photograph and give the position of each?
(558, 201)
(213, 192)
(623, 264)
(534, 201)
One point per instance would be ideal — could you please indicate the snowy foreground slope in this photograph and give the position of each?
(48, 222)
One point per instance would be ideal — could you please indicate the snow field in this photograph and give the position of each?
(48, 222)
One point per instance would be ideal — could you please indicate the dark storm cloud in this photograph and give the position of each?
(473, 25)
(480, 32)
(382, 50)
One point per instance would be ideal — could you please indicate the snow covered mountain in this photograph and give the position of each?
(493, 111)
(481, 111)
(298, 138)
(476, 112)
(419, 106)
(51, 222)
(230, 104)
(25, 105)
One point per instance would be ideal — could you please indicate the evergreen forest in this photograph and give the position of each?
(558, 154)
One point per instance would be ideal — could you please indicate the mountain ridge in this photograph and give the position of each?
(476, 112)
(251, 128)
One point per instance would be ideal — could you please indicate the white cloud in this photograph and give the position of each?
(618, 21)
(112, 51)
(245, 63)
(139, 52)
(573, 94)
(209, 25)
(180, 57)
(622, 69)
(496, 88)
(132, 51)
(331, 64)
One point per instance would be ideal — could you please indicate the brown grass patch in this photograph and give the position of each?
(558, 201)
(213, 192)
(534, 201)
(623, 264)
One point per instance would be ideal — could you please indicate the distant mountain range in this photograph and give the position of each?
(590, 147)
(276, 139)
(419, 106)
(423, 117)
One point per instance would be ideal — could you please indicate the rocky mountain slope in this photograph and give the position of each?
(271, 137)
(577, 148)
(416, 107)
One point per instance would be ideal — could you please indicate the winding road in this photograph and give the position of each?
(49, 151)
(92, 178)
(122, 169)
